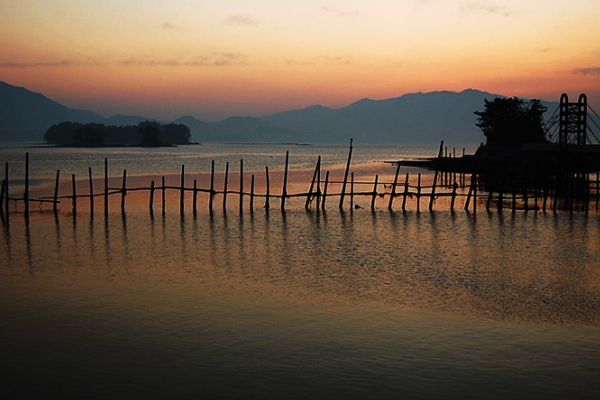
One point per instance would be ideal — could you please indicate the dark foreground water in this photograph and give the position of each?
(301, 305)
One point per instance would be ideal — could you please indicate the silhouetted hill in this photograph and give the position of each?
(239, 129)
(120, 120)
(25, 115)
(412, 118)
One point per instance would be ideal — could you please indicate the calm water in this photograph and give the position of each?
(301, 305)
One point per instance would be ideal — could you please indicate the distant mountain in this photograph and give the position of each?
(120, 120)
(240, 129)
(412, 118)
(25, 116)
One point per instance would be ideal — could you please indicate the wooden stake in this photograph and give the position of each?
(374, 193)
(182, 191)
(55, 203)
(285, 179)
(2, 199)
(454, 187)
(252, 194)
(124, 190)
(164, 195)
(319, 185)
(268, 193)
(325, 190)
(241, 185)
(312, 185)
(152, 189)
(341, 206)
(419, 193)
(26, 193)
(351, 191)
(7, 190)
(74, 200)
(212, 186)
(405, 193)
(393, 193)
(106, 187)
(225, 186)
(475, 192)
(437, 167)
(195, 197)
(91, 191)
(470, 192)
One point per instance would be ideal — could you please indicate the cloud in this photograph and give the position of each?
(593, 71)
(168, 26)
(241, 20)
(487, 7)
(340, 13)
(322, 59)
(216, 60)
(46, 64)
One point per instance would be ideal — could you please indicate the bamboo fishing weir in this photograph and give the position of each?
(471, 187)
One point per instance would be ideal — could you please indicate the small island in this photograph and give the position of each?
(144, 134)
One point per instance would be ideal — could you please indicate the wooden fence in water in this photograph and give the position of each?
(470, 188)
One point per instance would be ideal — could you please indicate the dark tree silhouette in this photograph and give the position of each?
(512, 121)
(149, 132)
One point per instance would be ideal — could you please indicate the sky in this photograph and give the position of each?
(216, 59)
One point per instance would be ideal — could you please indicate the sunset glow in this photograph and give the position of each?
(213, 60)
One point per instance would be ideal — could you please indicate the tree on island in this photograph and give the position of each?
(512, 121)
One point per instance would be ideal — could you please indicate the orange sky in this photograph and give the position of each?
(164, 59)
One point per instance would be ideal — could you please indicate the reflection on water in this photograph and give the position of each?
(264, 304)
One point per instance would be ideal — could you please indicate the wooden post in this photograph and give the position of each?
(152, 197)
(212, 186)
(437, 167)
(252, 194)
(74, 199)
(454, 187)
(55, 203)
(319, 185)
(241, 185)
(312, 185)
(7, 190)
(475, 193)
(106, 187)
(393, 193)
(405, 193)
(182, 191)
(470, 192)
(351, 191)
(489, 199)
(374, 193)
(268, 192)
(419, 193)
(195, 197)
(325, 190)
(124, 190)
(164, 195)
(597, 188)
(285, 179)
(225, 186)
(91, 192)
(343, 193)
(2, 199)
(26, 193)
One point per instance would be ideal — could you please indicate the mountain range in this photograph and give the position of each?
(411, 118)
